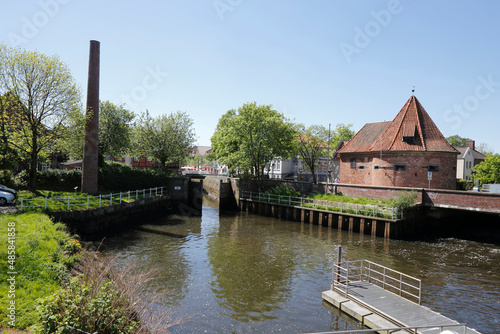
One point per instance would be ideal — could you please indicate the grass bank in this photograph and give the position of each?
(38, 254)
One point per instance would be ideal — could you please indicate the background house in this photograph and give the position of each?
(400, 153)
(467, 159)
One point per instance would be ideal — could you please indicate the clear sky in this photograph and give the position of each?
(316, 61)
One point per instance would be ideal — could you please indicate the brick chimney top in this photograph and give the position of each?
(471, 144)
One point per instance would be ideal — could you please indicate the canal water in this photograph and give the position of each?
(245, 273)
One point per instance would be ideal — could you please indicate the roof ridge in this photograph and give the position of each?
(419, 124)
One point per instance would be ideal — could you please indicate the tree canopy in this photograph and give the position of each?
(456, 140)
(312, 145)
(249, 138)
(38, 94)
(488, 171)
(166, 138)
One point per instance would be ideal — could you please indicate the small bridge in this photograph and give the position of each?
(385, 300)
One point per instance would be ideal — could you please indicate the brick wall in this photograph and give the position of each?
(372, 170)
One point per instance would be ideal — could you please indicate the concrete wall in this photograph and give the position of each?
(93, 223)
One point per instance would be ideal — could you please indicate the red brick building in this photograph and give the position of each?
(400, 153)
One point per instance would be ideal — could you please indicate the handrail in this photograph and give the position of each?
(371, 210)
(404, 285)
(394, 329)
(91, 201)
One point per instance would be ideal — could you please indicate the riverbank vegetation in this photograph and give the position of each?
(57, 285)
(42, 253)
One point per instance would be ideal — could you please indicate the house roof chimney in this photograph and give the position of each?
(471, 144)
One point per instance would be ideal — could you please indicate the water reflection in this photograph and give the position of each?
(252, 271)
(242, 273)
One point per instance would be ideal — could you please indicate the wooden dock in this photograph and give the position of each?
(380, 298)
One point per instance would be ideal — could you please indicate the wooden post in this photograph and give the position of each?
(362, 226)
(330, 220)
(340, 221)
(351, 224)
(374, 228)
(387, 230)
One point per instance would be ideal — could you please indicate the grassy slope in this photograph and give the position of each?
(39, 263)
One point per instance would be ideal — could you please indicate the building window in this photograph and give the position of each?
(361, 167)
(353, 162)
(399, 167)
(376, 167)
(432, 168)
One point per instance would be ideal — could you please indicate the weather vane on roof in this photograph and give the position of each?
(413, 90)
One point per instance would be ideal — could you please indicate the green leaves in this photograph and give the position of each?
(38, 92)
(488, 171)
(248, 139)
(166, 138)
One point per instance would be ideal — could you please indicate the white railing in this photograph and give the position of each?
(415, 330)
(371, 210)
(68, 203)
(348, 272)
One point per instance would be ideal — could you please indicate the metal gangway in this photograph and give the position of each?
(385, 300)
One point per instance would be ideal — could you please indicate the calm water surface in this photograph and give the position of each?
(244, 273)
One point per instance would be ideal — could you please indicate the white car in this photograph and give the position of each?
(4, 188)
(6, 197)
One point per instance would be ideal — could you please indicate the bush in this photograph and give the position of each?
(105, 300)
(121, 177)
(464, 185)
(406, 200)
(87, 307)
(7, 178)
(283, 191)
(53, 179)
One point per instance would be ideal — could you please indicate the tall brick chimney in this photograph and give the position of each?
(471, 144)
(90, 149)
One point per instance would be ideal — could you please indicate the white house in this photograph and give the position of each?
(467, 159)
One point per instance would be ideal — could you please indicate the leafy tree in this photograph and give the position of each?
(342, 132)
(115, 130)
(196, 160)
(252, 137)
(166, 138)
(488, 171)
(485, 149)
(38, 94)
(312, 145)
(456, 140)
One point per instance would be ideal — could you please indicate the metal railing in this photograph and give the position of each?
(89, 202)
(397, 329)
(371, 210)
(347, 273)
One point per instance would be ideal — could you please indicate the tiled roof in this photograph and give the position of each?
(475, 154)
(411, 130)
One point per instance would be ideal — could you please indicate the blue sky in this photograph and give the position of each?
(316, 61)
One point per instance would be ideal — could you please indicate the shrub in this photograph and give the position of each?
(406, 200)
(104, 300)
(86, 306)
(7, 178)
(121, 177)
(283, 191)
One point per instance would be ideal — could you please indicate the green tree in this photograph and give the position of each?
(115, 129)
(39, 93)
(166, 138)
(342, 132)
(488, 171)
(312, 145)
(485, 149)
(456, 140)
(252, 137)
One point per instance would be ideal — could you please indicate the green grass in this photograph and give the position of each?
(58, 200)
(347, 199)
(43, 253)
